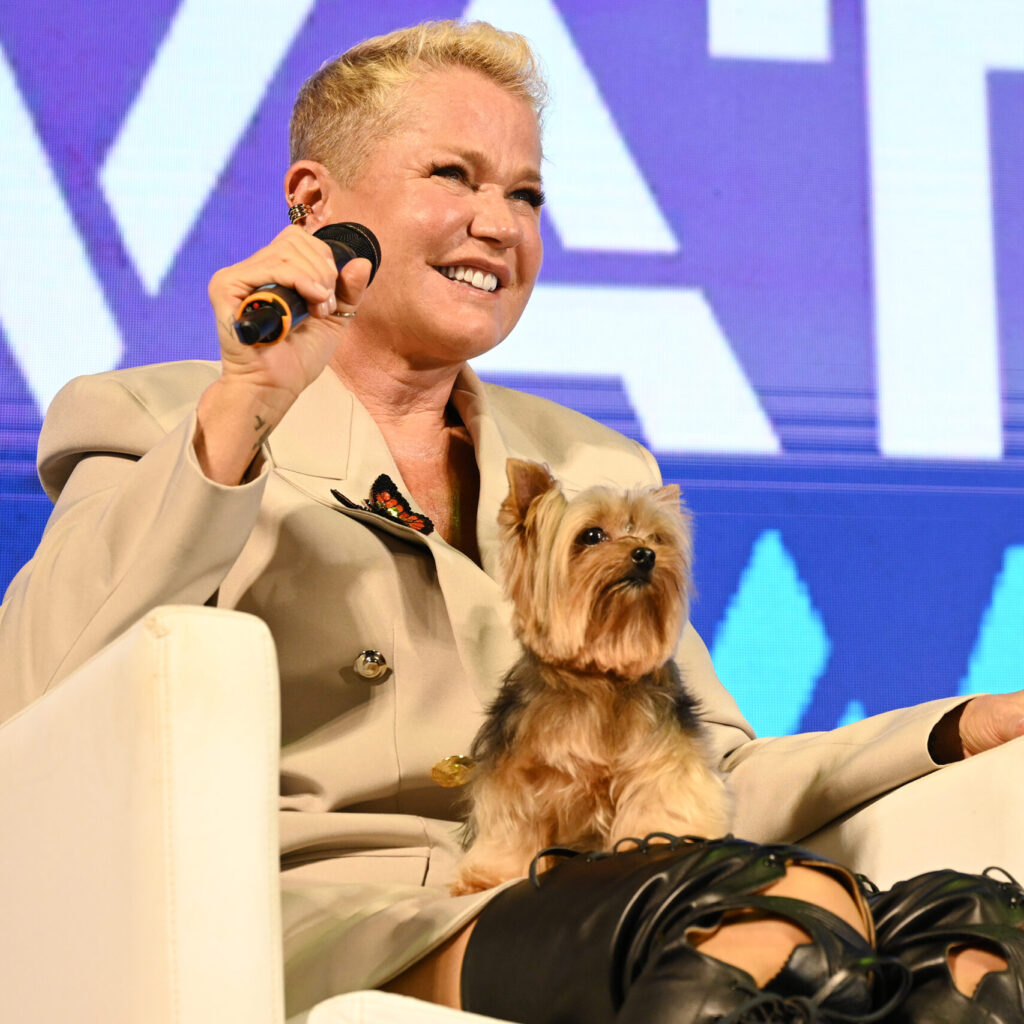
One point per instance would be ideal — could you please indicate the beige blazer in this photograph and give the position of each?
(136, 524)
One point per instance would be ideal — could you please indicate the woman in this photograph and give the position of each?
(263, 483)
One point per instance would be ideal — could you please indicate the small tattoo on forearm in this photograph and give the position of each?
(261, 422)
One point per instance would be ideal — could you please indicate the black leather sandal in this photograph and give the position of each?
(603, 938)
(922, 920)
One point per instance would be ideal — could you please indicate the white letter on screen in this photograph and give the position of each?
(935, 294)
(217, 60)
(796, 30)
(598, 196)
(59, 336)
(684, 381)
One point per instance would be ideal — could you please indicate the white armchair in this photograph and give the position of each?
(139, 854)
(139, 859)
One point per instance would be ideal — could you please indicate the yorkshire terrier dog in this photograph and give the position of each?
(592, 737)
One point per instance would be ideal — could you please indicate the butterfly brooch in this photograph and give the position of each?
(388, 501)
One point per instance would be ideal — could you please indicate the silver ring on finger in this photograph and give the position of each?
(342, 316)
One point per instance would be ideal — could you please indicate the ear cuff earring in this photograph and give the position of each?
(297, 211)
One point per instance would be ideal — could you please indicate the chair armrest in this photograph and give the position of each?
(139, 855)
(966, 816)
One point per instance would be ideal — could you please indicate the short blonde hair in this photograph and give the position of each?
(353, 100)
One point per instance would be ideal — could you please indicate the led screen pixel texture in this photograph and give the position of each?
(784, 248)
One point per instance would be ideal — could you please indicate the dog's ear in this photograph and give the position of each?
(669, 496)
(526, 481)
(671, 500)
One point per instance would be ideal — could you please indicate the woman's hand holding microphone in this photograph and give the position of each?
(259, 382)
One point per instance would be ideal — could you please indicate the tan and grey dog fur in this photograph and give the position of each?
(593, 737)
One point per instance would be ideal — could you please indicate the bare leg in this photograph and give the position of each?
(970, 964)
(762, 945)
(436, 978)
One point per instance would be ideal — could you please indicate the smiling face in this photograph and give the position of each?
(454, 198)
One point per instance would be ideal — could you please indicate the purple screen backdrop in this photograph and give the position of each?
(784, 247)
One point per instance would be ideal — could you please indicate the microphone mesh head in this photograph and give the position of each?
(359, 239)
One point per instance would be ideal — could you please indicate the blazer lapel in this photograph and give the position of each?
(328, 445)
(315, 437)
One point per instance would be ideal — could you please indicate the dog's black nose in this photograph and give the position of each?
(643, 558)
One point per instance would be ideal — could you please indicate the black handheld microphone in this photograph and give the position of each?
(270, 312)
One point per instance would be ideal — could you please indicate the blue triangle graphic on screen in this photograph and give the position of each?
(771, 647)
(999, 650)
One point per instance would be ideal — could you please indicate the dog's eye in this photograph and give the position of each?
(592, 535)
